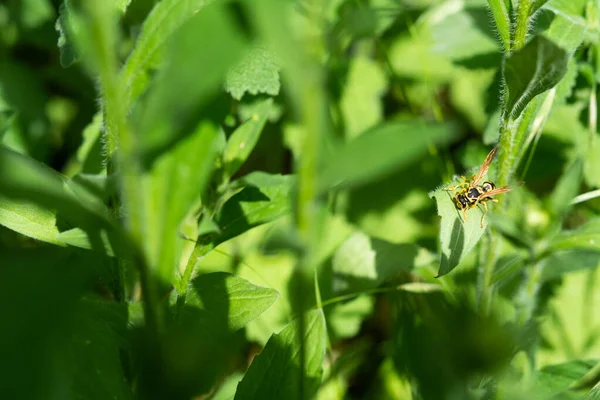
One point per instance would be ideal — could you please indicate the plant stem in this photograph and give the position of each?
(102, 42)
(502, 19)
(522, 25)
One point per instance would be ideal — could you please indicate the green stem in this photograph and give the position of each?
(102, 43)
(522, 24)
(502, 18)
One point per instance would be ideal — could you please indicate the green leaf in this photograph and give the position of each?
(345, 319)
(381, 151)
(25, 178)
(164, 19)
(362, 262)
(562, 262)
(257, 72)
(228, 300)
(566, 188)
(172, 187)
(275, 373)
(553, 380)
(566, 30)
(532, 70)
(95, 350)
(264, 198)
(586, 237)
(29, 219)
(171, 108)
(361, 102)
(103, 241)
(89, 157)
(457, 237)
(243, 139)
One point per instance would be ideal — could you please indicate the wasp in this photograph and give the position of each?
(469, 193)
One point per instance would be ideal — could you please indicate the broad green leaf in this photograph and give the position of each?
(29, 219)
(381, 151)
(228, 300)
(25, 178)
(265, 197)
(164, 19)
(227, 389)
(243, 139)
(362, 263)
(532, 70)
(569, 7)
(567, 31)
(275, 373)
(457, 237)
(554, 380)
(361, 102)
(192, 75)
(566, 188)
(257, 72)
(95, 351)
(586, 237)
(172, 187)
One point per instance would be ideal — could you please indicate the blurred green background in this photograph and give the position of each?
(150, 146)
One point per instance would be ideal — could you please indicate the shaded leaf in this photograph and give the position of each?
(172, 187)
(562, 262)
(228, 300)
(275, 372)
(243, 139)
(457, 237)
(532, 70)
(257, 72)
(170, 109)
(381, 151)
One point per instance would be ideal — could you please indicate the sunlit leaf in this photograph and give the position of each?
(362, 263)
(29, 219)
(361, 100)
(257, 72)
(275, 373)
(586, 237)
(457, 237)
(265, 197)
(553, 380)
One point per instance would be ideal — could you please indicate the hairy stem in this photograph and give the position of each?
(502, 19)
(522, 24)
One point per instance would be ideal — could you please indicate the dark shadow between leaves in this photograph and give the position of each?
(197, 345)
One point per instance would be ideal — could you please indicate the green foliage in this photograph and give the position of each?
(208, 199)
(275, 372)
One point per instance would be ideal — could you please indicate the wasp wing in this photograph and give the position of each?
(494, 192)
(485, 166)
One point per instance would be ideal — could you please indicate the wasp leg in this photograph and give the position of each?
(484, 214)
(464, 214)
(493, 199)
